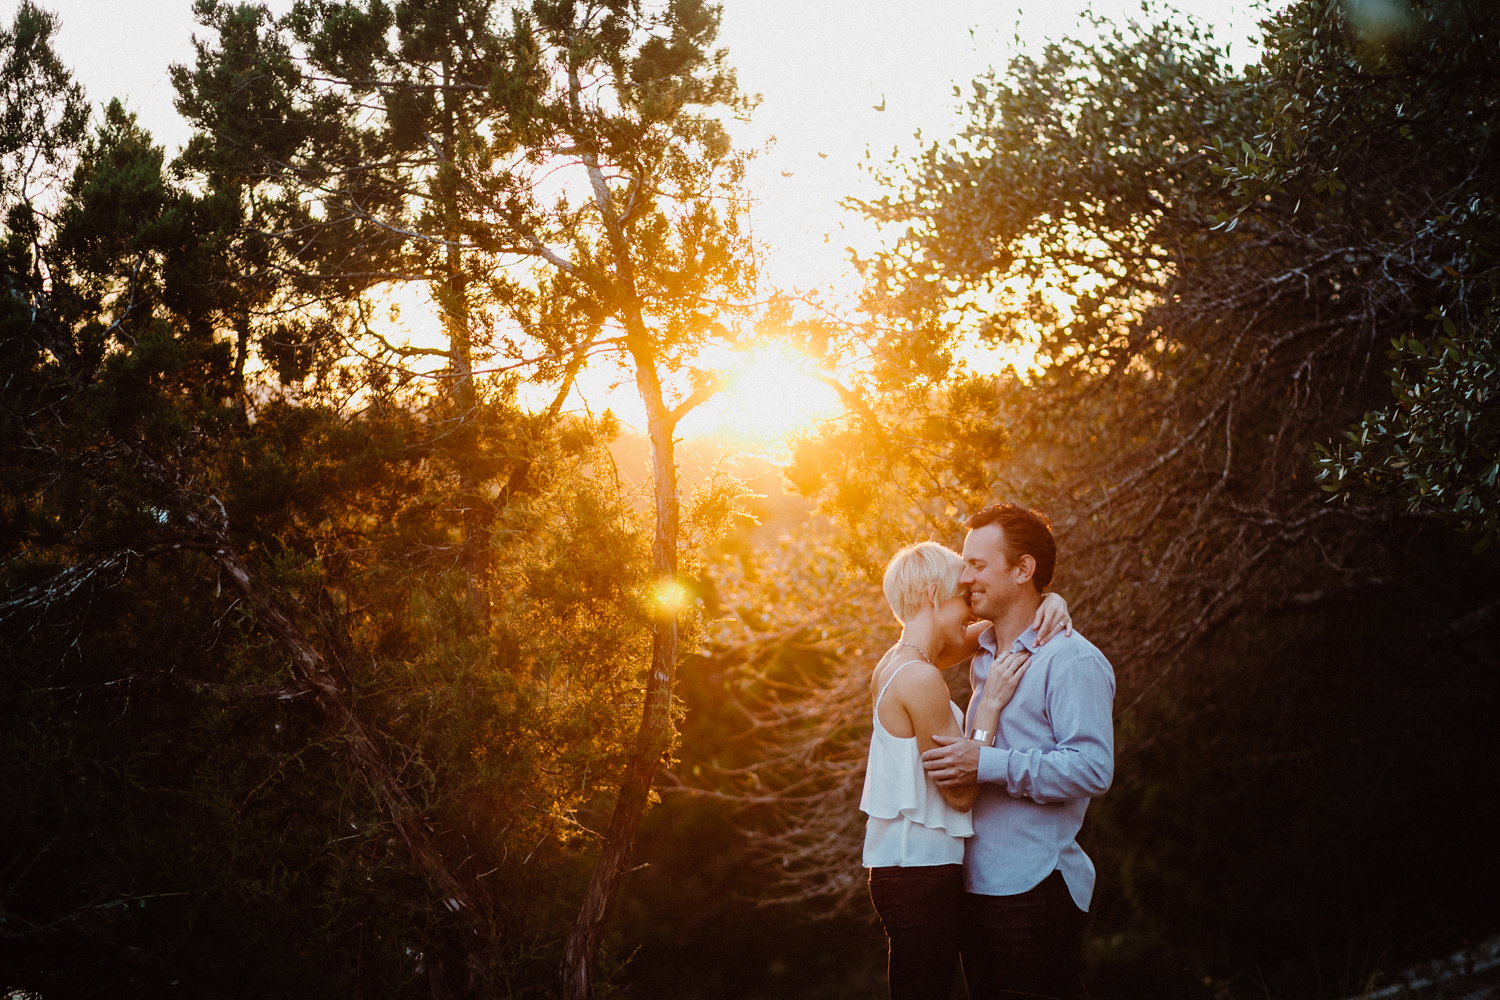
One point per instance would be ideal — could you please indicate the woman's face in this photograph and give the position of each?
(952, 618)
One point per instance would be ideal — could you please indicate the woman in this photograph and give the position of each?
(914, 840)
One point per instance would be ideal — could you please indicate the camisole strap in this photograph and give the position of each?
(888, 681)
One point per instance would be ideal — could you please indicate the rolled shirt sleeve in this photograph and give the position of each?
(1079, 696)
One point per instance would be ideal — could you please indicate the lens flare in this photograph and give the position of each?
(671, 595)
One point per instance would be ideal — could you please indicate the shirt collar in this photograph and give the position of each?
(1026, 640)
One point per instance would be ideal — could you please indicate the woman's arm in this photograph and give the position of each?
(1005, 676)
(923, 695)
(1051, 618)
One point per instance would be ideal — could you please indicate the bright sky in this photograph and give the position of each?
(822, 68)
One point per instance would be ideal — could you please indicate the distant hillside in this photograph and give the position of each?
(698, 458)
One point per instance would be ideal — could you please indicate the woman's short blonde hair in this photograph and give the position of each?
(913, 571)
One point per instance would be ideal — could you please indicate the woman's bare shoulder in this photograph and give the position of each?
(918, 682)
(878, 673)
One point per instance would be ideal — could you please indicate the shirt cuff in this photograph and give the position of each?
(993, 764)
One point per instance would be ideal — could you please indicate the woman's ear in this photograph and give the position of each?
(932, 596)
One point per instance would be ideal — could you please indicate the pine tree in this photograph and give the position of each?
(250, 586)
(342, 151)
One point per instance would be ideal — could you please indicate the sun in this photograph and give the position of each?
(772, 391)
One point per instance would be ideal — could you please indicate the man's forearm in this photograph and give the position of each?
(1048, 775)
(1081, 762)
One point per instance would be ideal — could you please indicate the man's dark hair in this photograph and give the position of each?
(1026, 533)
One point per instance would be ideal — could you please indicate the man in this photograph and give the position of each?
(1028, 883)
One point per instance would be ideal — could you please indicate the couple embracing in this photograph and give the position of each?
(973, 818)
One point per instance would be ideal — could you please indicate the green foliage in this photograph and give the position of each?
(1074, 172)
(423, 144)
(1346, 82)
(1350, 90)
(1438, 448)
(184, 811)
(45, 113)
(203, 775)
(196, 391)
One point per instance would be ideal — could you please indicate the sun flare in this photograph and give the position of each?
(771, 392)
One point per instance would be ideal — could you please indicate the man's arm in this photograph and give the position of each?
(1080, 694)
(1079, 702)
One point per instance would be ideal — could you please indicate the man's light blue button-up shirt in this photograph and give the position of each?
(1054, 750)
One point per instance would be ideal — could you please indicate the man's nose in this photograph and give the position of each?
(968, 576)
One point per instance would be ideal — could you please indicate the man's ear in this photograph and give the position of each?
(1025, 569)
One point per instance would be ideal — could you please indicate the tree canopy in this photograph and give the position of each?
(341, 658)
(419, 627)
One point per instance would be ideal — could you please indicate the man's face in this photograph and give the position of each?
(988, 573)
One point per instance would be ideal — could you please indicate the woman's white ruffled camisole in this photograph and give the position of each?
(911, 825)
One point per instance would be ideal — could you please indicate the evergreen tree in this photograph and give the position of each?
(321, 528)
(249, 710)
(558, 177)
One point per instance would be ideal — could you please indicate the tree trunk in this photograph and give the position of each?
(654, 739)
(241, 352)
(477, 514)
(364, 748)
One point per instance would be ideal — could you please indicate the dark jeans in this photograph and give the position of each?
(1024, 946)
(920, 909)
